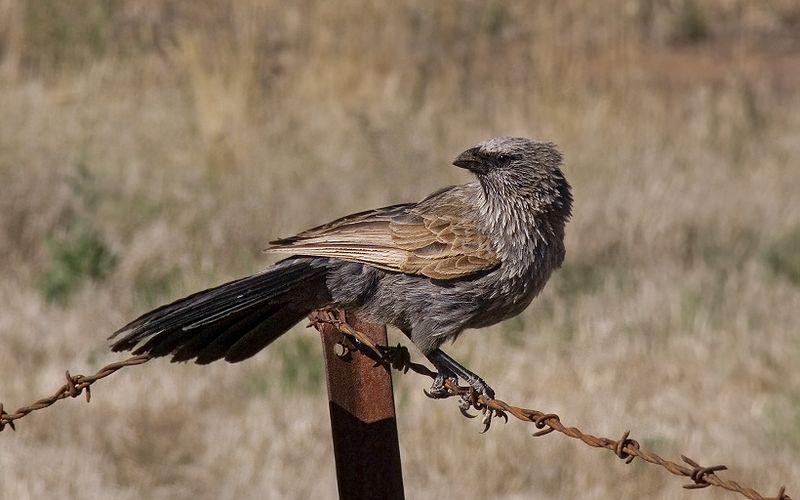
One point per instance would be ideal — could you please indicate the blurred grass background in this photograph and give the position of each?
(151, 148)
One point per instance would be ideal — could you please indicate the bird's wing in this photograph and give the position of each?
(436, 238)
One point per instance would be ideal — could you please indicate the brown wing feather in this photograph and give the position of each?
(433, 238)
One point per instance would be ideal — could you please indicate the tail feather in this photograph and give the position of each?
(183, 343)
(234, 320)
(260, 337)
(215, 347)
(214, 304)
(195, 342)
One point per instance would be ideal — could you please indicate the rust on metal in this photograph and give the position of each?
(363, 421)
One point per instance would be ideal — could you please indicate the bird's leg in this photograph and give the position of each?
(449, 368)
(439, 389)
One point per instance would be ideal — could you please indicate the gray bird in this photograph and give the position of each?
(466, 256)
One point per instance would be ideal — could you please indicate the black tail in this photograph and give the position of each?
(232, 321)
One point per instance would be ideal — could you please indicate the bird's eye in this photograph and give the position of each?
(503, 158)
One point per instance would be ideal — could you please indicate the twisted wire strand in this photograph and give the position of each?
(74, 386)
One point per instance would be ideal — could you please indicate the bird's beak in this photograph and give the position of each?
(471, 160)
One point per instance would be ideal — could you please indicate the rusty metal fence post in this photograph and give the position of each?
(363, 421)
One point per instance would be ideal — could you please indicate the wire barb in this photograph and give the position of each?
(4, 419)
(624, 442)
(700, 474)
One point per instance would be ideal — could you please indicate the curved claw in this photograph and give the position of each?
(489, 415)
(465, 412)
(464, 404)
(502, 414)
(436, 393)
(487, 422)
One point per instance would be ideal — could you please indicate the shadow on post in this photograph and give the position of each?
(363, 421)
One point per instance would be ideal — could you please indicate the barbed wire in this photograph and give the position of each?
(399, 358)
(74, 386)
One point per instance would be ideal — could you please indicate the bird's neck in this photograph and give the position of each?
(522, 232)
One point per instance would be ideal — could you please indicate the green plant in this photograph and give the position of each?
(783, 257)
(573, 280)
(691, 26)
(152, 288)
(79, 256)
(301, 369)
(513, 331)
(61, 34)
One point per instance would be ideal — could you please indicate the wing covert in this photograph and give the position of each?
(435, 238)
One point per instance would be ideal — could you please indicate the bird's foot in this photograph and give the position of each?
(445, 364)
(440, 389)
(480, 401)
(338, 319)
(446, 384)
(327, 316)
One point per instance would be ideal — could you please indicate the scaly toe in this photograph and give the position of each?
(482, 388)
(438, 389)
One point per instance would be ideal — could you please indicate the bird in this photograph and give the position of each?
(465, 257)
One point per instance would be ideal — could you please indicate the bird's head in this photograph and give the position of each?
(520, 168)
(509, 154)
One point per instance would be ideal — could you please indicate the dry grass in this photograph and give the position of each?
(184, 139)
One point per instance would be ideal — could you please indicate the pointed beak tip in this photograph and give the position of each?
(469, 160)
